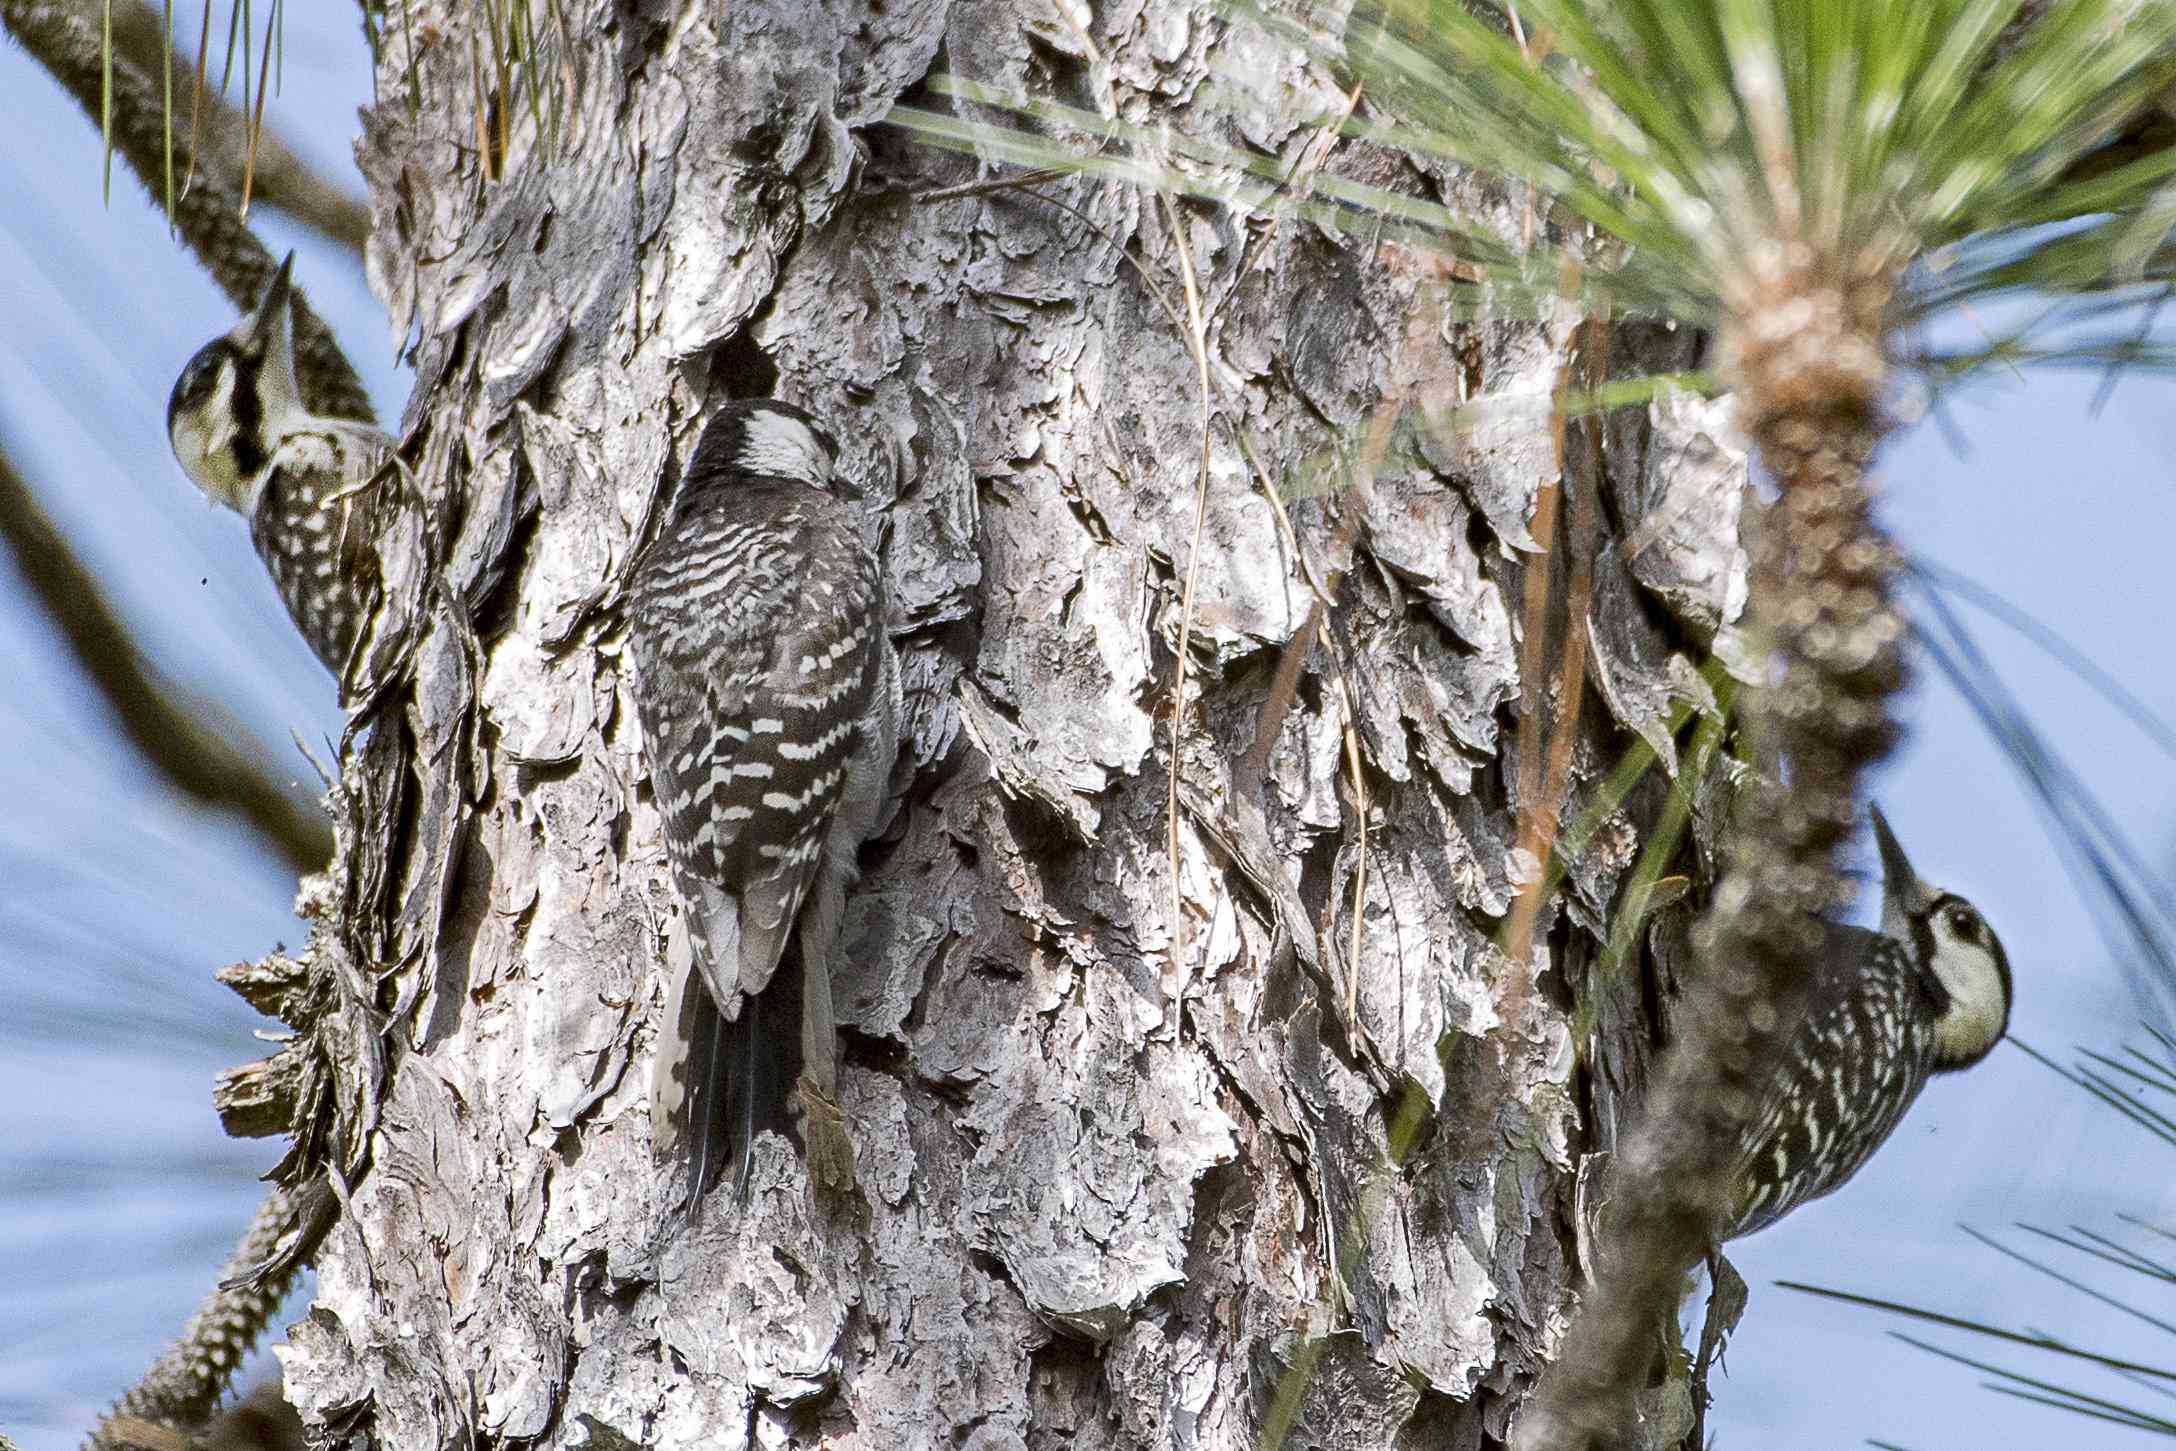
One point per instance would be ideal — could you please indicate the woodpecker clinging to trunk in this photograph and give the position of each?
(1929, 993)
(240, 429)
(768, 695)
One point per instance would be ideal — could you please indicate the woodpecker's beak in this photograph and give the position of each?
(1903, 895)
(271, 313)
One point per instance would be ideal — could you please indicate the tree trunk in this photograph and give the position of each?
(1158, 1144)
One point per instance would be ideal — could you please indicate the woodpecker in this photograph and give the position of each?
(768, 695)
(1929, 993)
(240, 430)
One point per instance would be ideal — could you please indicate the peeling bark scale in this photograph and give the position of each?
(1125, 1177)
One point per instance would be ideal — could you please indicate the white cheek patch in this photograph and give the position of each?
(775, 446)
(202, 438)
(1979, 1008)
(220, 414)
(189, 449)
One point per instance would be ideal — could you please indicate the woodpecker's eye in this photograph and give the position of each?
(194, 387)
(196, 379)
(1965, 923)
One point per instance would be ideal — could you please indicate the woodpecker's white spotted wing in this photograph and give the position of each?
(1857, 1061)
(315, 527)
(755, 628)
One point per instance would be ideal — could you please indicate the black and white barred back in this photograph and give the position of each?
(1929, 993)
(314, 526)
(766, 688)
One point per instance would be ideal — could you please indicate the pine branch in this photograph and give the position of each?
(1822, 599)
(184, 1386)
(192, 755)
(207, 216)
(279, 177)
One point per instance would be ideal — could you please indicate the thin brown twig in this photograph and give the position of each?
(1526, 907)
(196, 100)
(1198, 341)
(1380, 430)
(1018, 181)
(1191, 327)
(1544, 769)
(166, 87)
(1360, 867)
(521, 47)
(568, 77)
(1526, 207)
(219, 136)
(494, 27)
(105, 104)
(1579, 539)
(485, 157)
(196, 757)
(1284, 684)
(256, 120)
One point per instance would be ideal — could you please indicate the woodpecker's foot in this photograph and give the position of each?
(830, 1146)
(1726, 1303)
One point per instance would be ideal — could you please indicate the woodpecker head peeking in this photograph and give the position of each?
(237, 399)
(761, 438)
(1968, 974)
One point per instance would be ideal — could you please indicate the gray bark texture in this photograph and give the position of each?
(1123, 1093)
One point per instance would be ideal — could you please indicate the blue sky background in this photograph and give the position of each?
(119, 1197)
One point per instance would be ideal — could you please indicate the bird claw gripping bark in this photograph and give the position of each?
(824, 1135)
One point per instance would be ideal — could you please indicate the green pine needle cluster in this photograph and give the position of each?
(1688, 153)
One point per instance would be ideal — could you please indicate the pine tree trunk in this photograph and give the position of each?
(1134, 1098)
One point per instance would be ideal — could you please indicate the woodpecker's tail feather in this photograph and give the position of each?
(707, 1129)
(740, 1076)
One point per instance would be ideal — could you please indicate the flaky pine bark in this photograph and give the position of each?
(1192, 1109)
